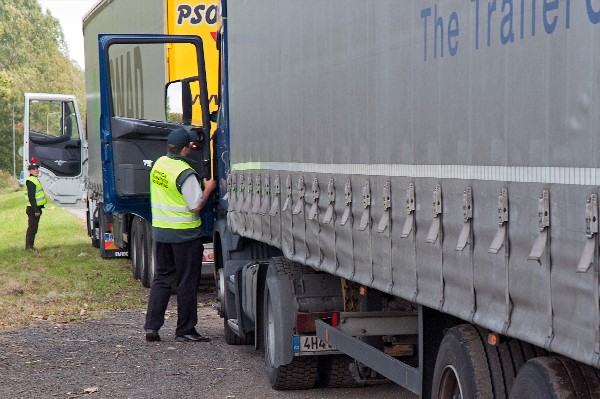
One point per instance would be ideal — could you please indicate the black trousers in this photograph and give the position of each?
(32, 227)
(181, 261)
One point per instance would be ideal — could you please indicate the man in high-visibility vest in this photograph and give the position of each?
(176, 199)
(36, 199)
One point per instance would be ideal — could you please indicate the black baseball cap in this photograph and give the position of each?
(180, 138)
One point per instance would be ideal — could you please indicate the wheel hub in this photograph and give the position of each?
(450, 387)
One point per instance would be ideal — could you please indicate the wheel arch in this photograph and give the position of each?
(433, 326)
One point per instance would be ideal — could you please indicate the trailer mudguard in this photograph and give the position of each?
(252, 290)
(231, 269)
(280, 290)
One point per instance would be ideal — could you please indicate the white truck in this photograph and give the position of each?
(53, 136)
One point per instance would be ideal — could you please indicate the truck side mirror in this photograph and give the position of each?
(174, 101)
(179, 100)
(186, 101)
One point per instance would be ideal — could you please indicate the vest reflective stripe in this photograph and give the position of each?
(176, 218)
(169, 210)
(40, 195)
(169, 207)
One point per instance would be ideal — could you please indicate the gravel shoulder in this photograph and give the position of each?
(108, 358)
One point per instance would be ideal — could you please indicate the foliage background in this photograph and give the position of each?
(33, 58)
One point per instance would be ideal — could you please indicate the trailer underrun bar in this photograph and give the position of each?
(391, 368)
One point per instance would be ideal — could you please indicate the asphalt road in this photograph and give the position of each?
(109, 358)
(80, 212)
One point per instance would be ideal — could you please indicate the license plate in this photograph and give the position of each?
(310, 343)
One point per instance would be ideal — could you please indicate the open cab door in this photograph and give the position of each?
(142, 99)
(53, 137)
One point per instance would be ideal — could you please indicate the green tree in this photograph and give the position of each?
(33, 58)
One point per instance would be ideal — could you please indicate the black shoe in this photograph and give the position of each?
(152, 336)
(195, 337)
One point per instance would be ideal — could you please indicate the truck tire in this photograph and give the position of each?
(91, 222)
(283, 267)
(508, 367)
(511, 354)
(495, 366)
(575, 374)
(461, 368)
(506, 359)
(300, 373)
(102, 228)
(232, 338)
(147, 258)
(334, 372)
(134, 241)
(220, 291)
(543, 377)
(515, 355)
(591, 377)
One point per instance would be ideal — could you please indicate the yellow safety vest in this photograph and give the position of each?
(40, 195)
(169, 210)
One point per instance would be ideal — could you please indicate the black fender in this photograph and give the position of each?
(232, 267)
(280, 290)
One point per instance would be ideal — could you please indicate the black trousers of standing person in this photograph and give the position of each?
(181, 261)
(32, 227)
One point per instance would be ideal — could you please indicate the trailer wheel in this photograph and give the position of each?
(147, 256)
(516, 354)
(508, 367)
(284, 267)
(134, 240)
(592, 379)
(91, 222)
(543, 377)
(528, 351)
(102, 228)
(232, 338)
(495, 366)
(334, 372)
(461, 368)
(578, 382)
(301, 373)
(220, 291)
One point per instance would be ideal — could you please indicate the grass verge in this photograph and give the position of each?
(64, 279)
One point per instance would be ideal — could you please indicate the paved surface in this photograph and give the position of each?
(79, 212)
(108, 358)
